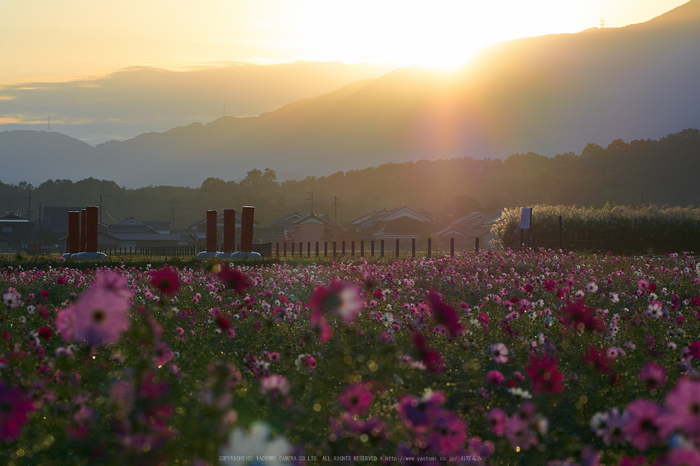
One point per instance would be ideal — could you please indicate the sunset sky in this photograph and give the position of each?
(42, 40)
(80, 42)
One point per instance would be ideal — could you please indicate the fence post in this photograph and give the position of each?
(362, 248)
(325, 249)
(334, 249)
(293, 248)
(397, 247)
(352, 248)
(316, 248)
(371, 245)
(381, 245)
(301, 248)
(430, 247)
(452, 247)
(277, 248)
(285, 249)
(308, 249)
(413, 247)
(342, 248)
(476, 244)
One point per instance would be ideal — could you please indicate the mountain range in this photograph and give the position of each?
(548, 95)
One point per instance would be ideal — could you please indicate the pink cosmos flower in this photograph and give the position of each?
(99, 316)
(519, 433)
(14, 406)
(163, 354)
(112, 282)
(496, 419)
(643, 428)
(683, 403)
(653, 376)
(448, 434)
(356, 399)
(419, 414)
(685, 456)
(339, 298)
(499, 352)
(275, 386)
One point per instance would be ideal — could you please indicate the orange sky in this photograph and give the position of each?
(42, 40)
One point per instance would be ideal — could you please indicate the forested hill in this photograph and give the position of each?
(655, 172)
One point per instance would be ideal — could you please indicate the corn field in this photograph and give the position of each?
(619, 229)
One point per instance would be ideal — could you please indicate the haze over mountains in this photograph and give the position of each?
(549, 95)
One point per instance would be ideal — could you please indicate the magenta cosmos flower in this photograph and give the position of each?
(448, 435)
(545, 376)
(14, 406)
(166, 280)
(356, 399)
(234, 279)
(444, 314)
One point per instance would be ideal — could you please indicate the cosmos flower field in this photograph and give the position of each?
(500, 357)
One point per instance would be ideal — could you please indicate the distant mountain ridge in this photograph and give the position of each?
(548, 95)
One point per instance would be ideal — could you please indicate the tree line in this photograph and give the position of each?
(661, 172)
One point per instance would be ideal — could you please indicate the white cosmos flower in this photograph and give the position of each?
(256, 447)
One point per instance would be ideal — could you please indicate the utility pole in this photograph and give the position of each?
(29, 205)
(40, 229)
(312, 202)
(100, 208)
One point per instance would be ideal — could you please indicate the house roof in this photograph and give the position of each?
(12, 218)
(316, 218)
(374, 214)
(383, 215)
(285, 220)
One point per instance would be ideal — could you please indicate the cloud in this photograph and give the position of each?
(141, 99)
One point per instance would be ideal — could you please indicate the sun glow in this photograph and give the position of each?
(442, 34)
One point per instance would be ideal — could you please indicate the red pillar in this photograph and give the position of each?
(230, 231)
(211, 231)
(73, 232)
(247, 218)
(83, 224)
(91, 218)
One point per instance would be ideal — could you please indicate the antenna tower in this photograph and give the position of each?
(48, 124)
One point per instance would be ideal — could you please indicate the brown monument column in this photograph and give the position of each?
(91, 217)
(211, 231)
(83, 225)
(247, 228)
(73, 232)
(230, 231)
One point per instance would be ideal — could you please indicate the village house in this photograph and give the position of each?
(313, 228)
(16, 233)
(401, 223)
(465, 230)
